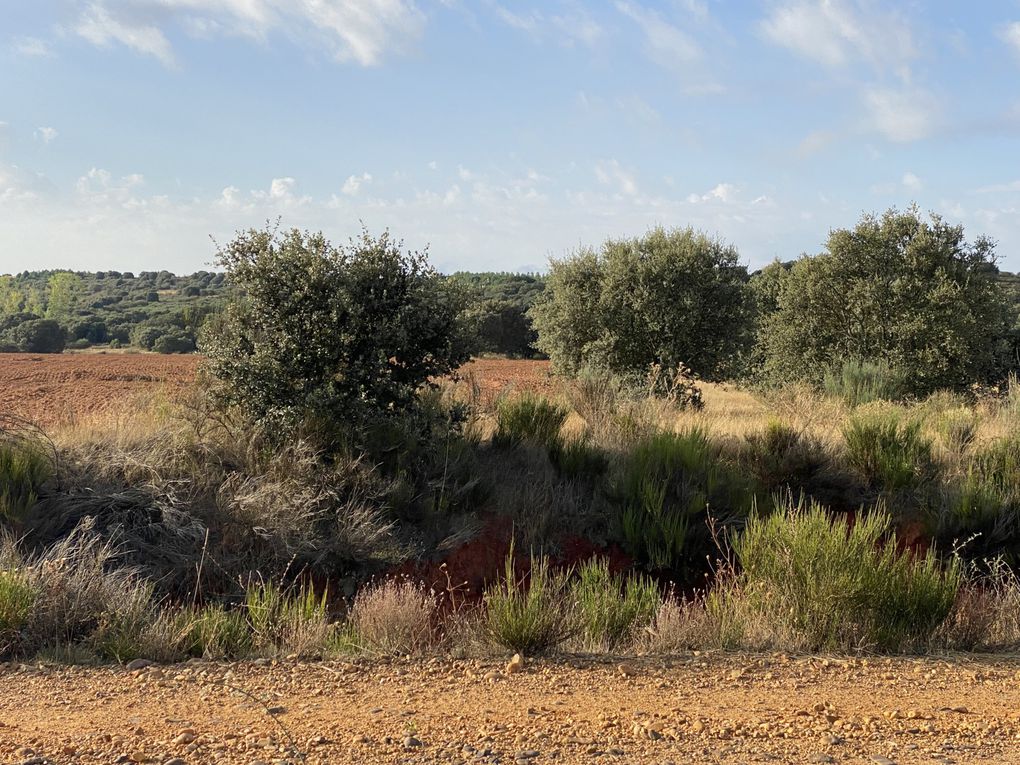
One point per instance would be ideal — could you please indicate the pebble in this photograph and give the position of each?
(411, 743)
(135, 664)
(820, 757)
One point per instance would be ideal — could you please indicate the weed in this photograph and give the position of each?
(528, 419)
(609, 606)
(528, 616)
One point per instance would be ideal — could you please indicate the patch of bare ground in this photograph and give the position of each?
(687, 709)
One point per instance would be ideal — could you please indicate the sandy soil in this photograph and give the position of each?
(690, 709)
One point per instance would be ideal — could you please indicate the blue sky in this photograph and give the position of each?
(499, 132)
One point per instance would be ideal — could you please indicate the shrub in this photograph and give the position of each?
(528, 615)
(859, 381)
(900, 287)
(213, 632)
(24, 468)
(173, 343)
(392, 617)
(528, 419)
(17, 600)
(335, 335)
(577, 458)
(667, 486)
(289, 621)
(842, 586)
(39, 336)
(609, 606)
(782, 458)
(890, 453)
(668, 297)
(957, 428)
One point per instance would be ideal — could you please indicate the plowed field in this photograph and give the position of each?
(60, 388)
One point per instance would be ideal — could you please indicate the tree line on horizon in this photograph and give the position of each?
(899, 289)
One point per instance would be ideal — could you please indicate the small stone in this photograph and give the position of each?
(185, 737)
(880, 760)
(820, 757)
(411, 743)
(175, 761)
(276, 710)
(515, 665)
(136, 664)
(528, 754)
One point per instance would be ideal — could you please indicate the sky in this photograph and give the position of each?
(135, 134)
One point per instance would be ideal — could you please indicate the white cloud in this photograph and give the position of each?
(901, 115)
(572, 26)
(101, 28)
(836, 33)
(1010, 34)
(911, 182)
(668, 45)
(354, 183)
(32, 47)
(722, 192)
(364, 31)
(46, 134)
(611, 173)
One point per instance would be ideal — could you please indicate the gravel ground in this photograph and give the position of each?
(686, 709)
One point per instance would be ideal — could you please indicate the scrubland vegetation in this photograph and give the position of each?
(727, 463)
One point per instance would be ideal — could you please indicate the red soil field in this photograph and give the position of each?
(52, 389)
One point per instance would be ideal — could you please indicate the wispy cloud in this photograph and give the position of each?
(1010, 34)
(32, 47)
(46, 134)
(362, 31)
(902, 115)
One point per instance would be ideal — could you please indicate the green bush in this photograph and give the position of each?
(858, 381)
(839, 585)
(890, 453)
(24, 468)
(901, 287)
(577, 458)
(609, 606)
(528, 419)
(17, 597)
(782, 458)
(669, 297)
(287, 620)
(668, 485)
(213, 632)
(981, 512)
(38, 336)
(528, 615)
(338, 336)
(173, 342)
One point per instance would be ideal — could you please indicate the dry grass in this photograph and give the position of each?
(393, 617)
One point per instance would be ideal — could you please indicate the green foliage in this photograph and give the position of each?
(497, 313)
(528, 615)
(889, 452)
(276, 615)
(981, 511)
(213, 632)
(669, 297)
(24, 468)
(783, 458)
(17, 597)
(668, 486)
(856, 382)
(609, 606)
(38, 336)
(336, 334)
(64, 289)
(108, 306)
(173, 342)
(896, 287)
(528, 418)
(578, 458)
(841, 586)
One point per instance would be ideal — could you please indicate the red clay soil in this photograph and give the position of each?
(52, 389)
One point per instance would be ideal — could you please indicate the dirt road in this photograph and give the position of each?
(692, 709)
